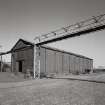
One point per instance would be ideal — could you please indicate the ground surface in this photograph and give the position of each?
(10, 77)
(52, 92)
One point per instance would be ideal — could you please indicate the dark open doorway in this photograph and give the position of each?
(20, 66)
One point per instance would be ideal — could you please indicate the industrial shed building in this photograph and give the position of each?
(46, 60)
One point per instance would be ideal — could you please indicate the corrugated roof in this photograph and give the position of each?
(55, 49)
(63, 51)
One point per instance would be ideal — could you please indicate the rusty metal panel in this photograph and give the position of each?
(53, 61)
(17, 67)
(72, 63)
(29, 53)
(42, 60)
(86, 60)
(50, 61)
(85, 64)
(27, 59)
(65, 63)
(81, 64)
(90, 64)
(58, 62)
(26, 56)
(76, 63)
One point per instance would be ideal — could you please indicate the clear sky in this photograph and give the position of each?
(29, 18)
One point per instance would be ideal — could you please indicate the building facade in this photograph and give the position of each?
(45, 60)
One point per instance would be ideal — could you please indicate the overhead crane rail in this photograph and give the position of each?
(90, 25)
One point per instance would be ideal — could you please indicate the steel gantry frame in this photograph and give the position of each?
(80, 28)
(90, 25)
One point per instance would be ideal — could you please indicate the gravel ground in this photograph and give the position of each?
(53, 92)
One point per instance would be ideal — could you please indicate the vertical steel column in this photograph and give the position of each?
(12, 61)
(36, 64)
(34, 60)
(38, 61)
(39, 68)
(91, 65)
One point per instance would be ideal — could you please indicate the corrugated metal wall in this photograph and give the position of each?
(59, 66)
(72, 66)
(26, 56)
(65, 63)
(43, 60)
(53, 61)
(50, 61)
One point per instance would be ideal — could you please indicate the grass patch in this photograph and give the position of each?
(54, 92)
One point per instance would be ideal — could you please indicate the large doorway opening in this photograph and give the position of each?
(20, 66)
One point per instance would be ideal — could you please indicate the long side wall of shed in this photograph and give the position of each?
(52, 61)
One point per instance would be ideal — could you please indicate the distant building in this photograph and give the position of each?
(38, 60)
(99, 69)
